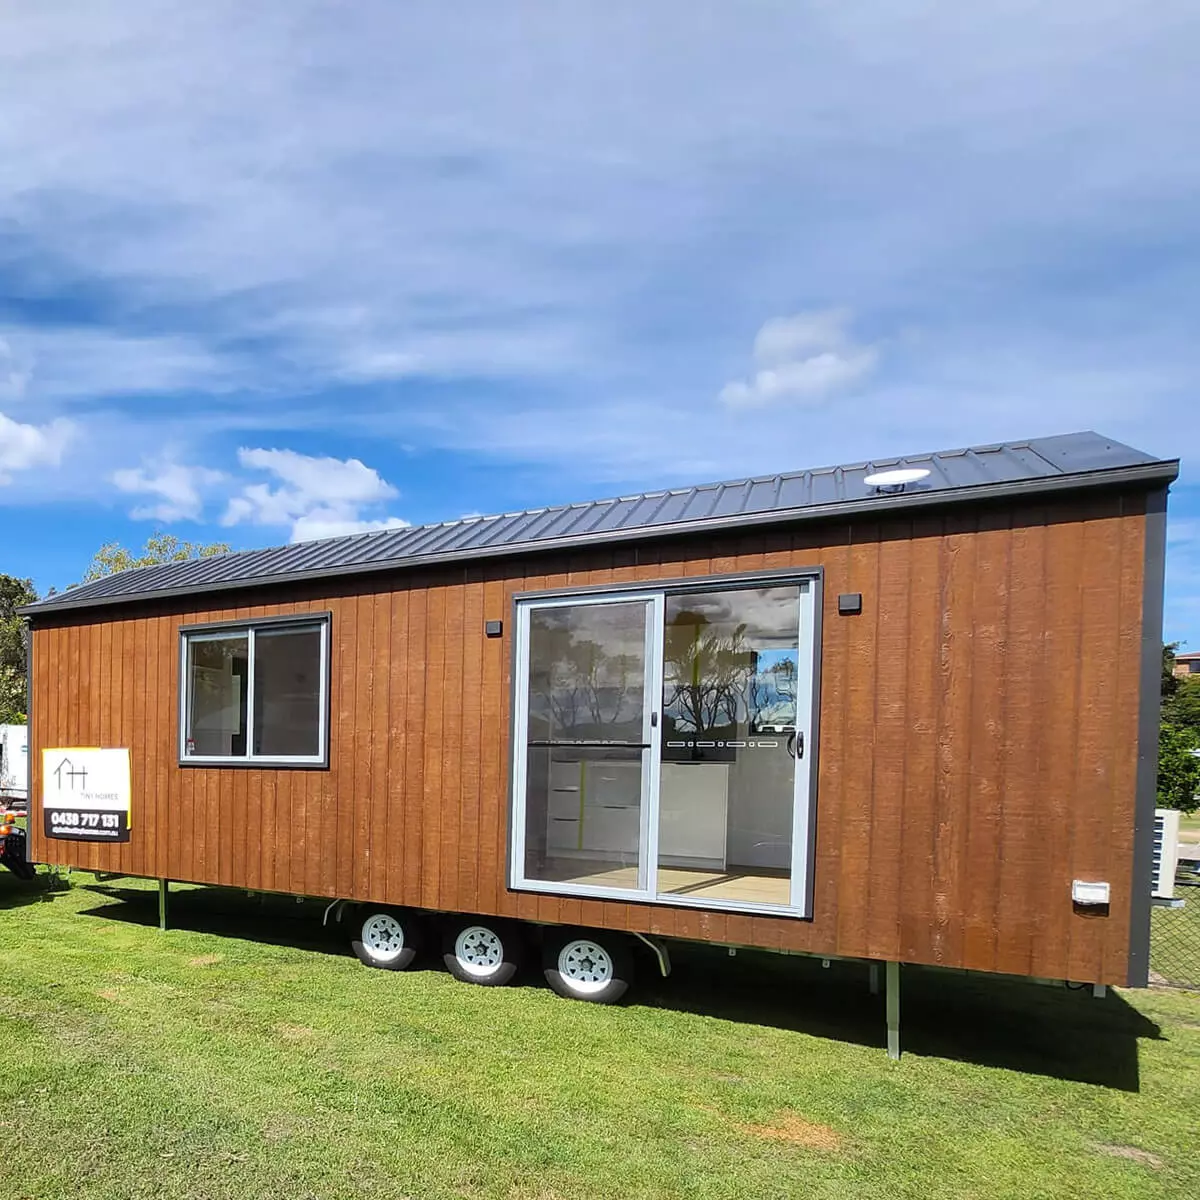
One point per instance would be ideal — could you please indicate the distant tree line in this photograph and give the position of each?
(1179, 737)
(16, 592)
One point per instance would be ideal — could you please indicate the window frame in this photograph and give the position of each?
(655, 591)
(246, 626)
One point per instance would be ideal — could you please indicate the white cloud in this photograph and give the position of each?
(315, 496)
(382, 194)
(326, 523)
(802, 359)
(69, 365)
(785, 339)
(14, 373)
(23, 447)
(179, 489)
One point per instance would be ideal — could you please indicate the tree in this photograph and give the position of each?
(1178, 738)
(1178, 768)
(1170, 681)
(14, 593)
(1183, 708)
(159, 548)
(706, 674)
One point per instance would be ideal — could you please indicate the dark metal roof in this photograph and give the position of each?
(1014, 468)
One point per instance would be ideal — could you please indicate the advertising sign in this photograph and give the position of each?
(85, 794)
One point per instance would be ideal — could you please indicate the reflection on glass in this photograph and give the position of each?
(587, 665)
(287, 692)
(730, 673)
(217, 671)
(586, 743)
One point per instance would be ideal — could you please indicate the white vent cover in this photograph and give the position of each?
(1166, 853)
(1086, 892)
(896, 477)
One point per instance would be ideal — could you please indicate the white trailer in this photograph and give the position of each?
(14, 765)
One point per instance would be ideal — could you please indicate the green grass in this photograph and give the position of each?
(1175, 940)
(1189, 825)
(246, 1055)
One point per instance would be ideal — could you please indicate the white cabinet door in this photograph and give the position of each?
(593, 810)
(611, 809)
(613, 783)
(693, 803)
(610, 832)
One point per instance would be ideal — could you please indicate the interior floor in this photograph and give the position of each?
(753, 885)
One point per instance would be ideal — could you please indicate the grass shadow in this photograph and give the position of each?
(270, 919)
(16, 893)
(986, 1020)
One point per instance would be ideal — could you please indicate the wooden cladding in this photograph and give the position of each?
(978, 738)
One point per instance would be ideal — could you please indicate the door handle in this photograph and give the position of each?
(797, 744)
(654, 720)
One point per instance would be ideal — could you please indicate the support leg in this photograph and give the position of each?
(1099, 990)
(893, 1009)
(162, 904)
(873, 978)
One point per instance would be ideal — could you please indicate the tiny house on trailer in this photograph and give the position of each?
(898, 711)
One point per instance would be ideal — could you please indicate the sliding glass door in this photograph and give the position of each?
(664, 742)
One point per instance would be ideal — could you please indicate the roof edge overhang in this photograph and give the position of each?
(1144, 475)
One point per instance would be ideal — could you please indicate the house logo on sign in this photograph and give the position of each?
(67, 773)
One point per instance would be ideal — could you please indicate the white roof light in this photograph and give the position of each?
(896, 478)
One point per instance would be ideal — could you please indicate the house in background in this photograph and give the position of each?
(1187, 664)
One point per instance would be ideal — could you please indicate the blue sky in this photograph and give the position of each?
(287, 269)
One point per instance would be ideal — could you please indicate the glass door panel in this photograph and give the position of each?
(730, 744)
(588, 736)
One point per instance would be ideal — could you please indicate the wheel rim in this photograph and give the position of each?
(479, 951)
(383, 936)
(585, 966)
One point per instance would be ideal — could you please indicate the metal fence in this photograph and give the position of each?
(1175, 933)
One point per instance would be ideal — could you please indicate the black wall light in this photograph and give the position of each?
(849, 604)
(494, 628)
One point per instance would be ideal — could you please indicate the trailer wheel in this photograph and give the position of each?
(487, 953)
(586, 964)
(387, 938)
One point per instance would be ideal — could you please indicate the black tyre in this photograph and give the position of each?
(387, 938)
(587, 964)
(481, 950)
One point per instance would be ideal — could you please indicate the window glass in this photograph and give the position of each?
(217, 675)
(256, 692)
(287, 692)
(586, 664)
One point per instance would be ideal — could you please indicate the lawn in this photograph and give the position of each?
(246, 1055)
(1175, 935)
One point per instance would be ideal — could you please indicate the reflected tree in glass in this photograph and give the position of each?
(706, 672)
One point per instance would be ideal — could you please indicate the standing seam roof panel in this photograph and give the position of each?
(1087, 458)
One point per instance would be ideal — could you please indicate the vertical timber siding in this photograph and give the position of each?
(977, 741)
